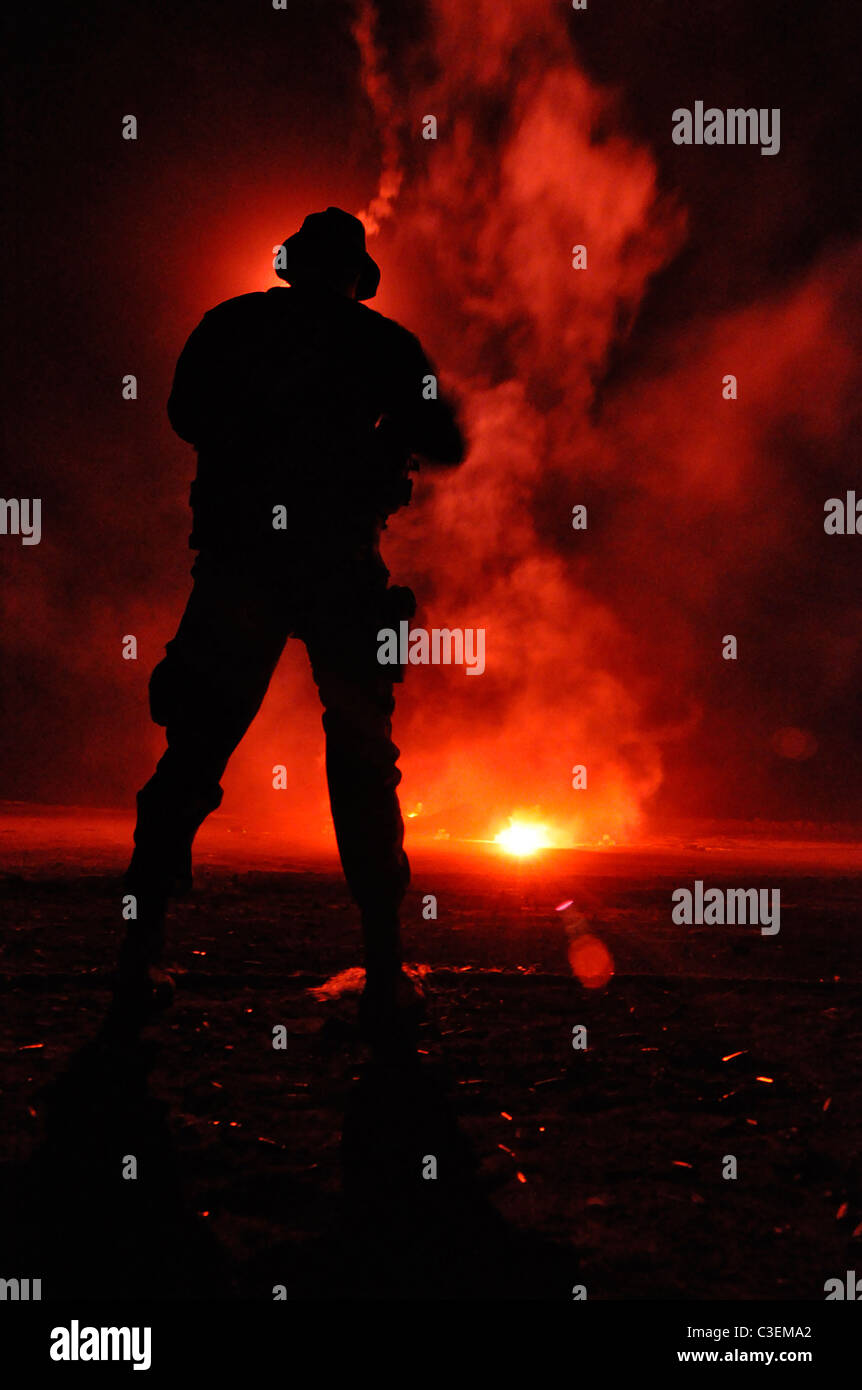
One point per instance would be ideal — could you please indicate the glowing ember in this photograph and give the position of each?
(521, 838)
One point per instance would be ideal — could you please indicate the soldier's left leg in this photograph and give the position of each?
(363, 776)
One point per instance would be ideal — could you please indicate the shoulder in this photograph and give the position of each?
(241, 306)
(231, 316)
(224, 321)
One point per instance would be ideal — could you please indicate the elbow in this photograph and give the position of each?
(453, 450)
(453, 458)
(448, 445)
(180, 423)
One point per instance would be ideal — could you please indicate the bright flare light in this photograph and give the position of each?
(521, 838)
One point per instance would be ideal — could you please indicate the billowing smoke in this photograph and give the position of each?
(604, 646)
(527, 165)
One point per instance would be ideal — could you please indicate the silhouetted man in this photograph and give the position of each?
(304, 408)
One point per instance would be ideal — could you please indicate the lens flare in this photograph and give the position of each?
(591, 961)
(521, 838)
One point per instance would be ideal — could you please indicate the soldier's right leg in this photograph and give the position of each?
(205, 693)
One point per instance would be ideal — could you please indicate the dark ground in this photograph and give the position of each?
(303, 1167)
